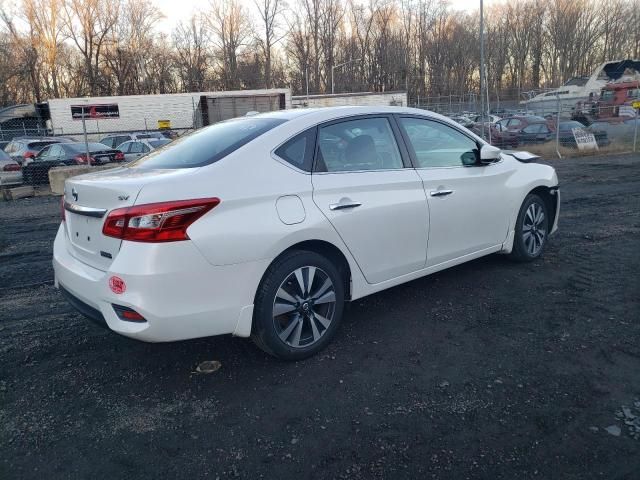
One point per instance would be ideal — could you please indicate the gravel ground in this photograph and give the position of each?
(490, 370)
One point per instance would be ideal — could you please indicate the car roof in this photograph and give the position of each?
(319, 114)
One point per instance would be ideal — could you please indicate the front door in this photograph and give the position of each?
(376, 204)
(467, 209)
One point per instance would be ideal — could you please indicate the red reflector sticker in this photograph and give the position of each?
(117, 285)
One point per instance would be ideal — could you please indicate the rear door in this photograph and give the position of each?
(376, 204)
(467, 208)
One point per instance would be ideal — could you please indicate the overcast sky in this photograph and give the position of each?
(181, 10)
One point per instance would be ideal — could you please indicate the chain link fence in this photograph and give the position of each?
(551, 129)
(30, 151)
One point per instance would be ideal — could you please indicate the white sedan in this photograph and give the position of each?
(264, 226)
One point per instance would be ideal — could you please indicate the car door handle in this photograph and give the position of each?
(440, 193)
(343, 205)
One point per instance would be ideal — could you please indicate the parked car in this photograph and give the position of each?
(135, 149)
(265, 226)
(518, 130)
(10, 171)
(36, 170)
(487, 119)
(117, 139)
(567, 138)
(20, 149)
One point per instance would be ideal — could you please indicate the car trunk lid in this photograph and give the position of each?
(89, 199)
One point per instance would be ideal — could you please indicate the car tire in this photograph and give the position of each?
(532, 229)
(298, 305)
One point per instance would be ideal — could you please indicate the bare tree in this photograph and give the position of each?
(191, 42)
(231, 29)
(88, 24)
(270, 12)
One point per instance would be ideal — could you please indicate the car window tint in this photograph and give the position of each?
(145, 148)
(299, 150)
(107, 141)
(55, 151)
(535, 128)
(438, 145)
(209, 144)
(354, 145)
(43, 154)
(514, 122)
(135, 147)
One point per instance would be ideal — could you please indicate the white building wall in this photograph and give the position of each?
(342, 99)
(140, 112)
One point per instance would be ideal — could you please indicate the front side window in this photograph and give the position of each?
(209, 144)
(356, 145)
(437, 145)
(107, 141)
(299, 150)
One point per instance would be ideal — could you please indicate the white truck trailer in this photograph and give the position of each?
(177, 111)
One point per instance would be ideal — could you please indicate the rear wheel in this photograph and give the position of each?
(532, 229)
(298, 306)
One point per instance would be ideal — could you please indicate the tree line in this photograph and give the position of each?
(71, 48)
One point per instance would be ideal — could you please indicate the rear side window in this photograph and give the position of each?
(12, 147)
(208, 145)
(299, 150)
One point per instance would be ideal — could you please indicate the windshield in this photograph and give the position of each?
(208, 145)
(564, 126)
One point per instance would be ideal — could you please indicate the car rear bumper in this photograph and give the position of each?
(179, 294)
(10, 178)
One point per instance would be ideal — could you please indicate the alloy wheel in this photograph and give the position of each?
(304, 306)
(534, 230)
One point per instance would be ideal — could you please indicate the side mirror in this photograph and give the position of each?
(489, 154)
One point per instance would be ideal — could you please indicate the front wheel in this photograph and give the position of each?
(298, 306)
(532, 229)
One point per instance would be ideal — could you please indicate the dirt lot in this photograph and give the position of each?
(491, 370)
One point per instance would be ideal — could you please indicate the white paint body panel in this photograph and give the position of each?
(140, 112)
(206, 286)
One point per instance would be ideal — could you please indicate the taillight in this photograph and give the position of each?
(119, 157)
(156, 222)
(11, 167)
(82, 158)
(28, 154)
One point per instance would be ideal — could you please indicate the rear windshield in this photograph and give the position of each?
(207, 145)
(157, 143)
(93, 147)
(40, 145)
